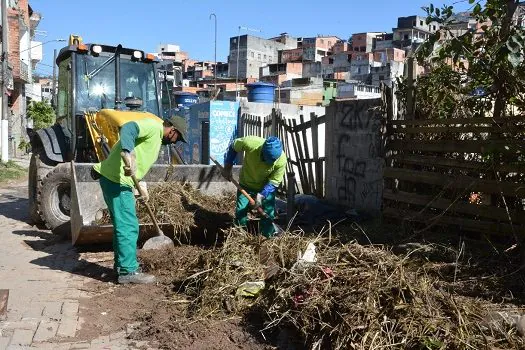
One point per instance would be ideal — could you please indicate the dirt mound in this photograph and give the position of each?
(351, 296)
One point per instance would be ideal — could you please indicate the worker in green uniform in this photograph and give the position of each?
(261, 174)
(139, 143)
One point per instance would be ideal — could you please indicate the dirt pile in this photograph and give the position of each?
(350, 296)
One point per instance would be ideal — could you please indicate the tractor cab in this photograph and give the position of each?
(92, 77)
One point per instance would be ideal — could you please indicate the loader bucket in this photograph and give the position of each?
(87, 201)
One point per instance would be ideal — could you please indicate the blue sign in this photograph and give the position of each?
(223, 127)
(212, 126)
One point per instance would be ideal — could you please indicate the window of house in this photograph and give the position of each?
(421, 23)
(414, 23)
(259, 56)
(253, 54)
(381, 77)
(434, 27)
(406, 37)
(264, 56)
(363, 48)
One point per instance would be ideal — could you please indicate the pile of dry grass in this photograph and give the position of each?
(183, 207)
(352, 297)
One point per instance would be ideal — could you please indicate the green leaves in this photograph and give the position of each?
(477, 9)
(42, 114)
(495, 58)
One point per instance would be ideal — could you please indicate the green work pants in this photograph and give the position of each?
(243, 206)
(121, 205)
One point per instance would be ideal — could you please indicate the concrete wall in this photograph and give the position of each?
(354, 163)
(387, 73)
(254, 52)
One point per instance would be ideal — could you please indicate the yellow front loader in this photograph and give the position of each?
(100, 88)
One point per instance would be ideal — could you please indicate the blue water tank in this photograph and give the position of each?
(185, 99)
(261, 92)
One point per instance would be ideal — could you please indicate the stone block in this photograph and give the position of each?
(52, 309)
(22, 337)
(46, 330)
(4, 342)
(67, 327)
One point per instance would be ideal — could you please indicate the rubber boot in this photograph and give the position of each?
(136, 278)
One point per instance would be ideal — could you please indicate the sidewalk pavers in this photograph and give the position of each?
(43, 303)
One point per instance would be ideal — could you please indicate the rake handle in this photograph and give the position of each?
(242, 190)
(143, 195)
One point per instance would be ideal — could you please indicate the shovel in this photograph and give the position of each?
(160, 241)
(260, 210)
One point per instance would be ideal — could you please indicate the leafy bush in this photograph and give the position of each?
(42, 114)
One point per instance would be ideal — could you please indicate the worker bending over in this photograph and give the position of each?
(139, 143)
(262, 172)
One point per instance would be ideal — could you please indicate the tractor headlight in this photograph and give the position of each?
(96, 49)
(137, 55)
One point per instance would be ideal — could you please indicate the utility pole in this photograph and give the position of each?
(215, 53)
(5, 108)
(54, 84)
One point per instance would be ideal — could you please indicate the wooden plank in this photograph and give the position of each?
(4, 298)
(470, 184)
(307, 125)
(486, 211)
(459, 121)
(273, 131)
(461, 146)
(442, 162)
(298, 156)
(484, 226)
(460, 129)
(315, 146)
(311, 182)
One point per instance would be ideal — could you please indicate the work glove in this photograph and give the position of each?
(144, 187)
(258, 200)
(130, 170)
(227, 171)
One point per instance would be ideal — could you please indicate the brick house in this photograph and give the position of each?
(22, 21)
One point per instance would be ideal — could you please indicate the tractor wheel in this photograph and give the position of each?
(54, 199)
(32, 190)
(37, 171)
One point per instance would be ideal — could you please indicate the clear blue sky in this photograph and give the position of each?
(145, 24)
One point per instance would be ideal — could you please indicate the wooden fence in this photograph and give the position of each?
(468, 173)
(301, 144)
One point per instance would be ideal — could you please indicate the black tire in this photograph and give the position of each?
(37, 171)
(54, 199)
(32, 191)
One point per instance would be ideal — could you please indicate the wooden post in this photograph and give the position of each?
(300, 158)
(411, 76)
(317, 163)
(290, 198)
(273, 131)
(311, 184)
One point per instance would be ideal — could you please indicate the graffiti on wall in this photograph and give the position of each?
(357, 164)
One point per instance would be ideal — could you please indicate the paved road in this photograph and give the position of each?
(38, 270)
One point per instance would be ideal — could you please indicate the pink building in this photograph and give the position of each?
(364, 42)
